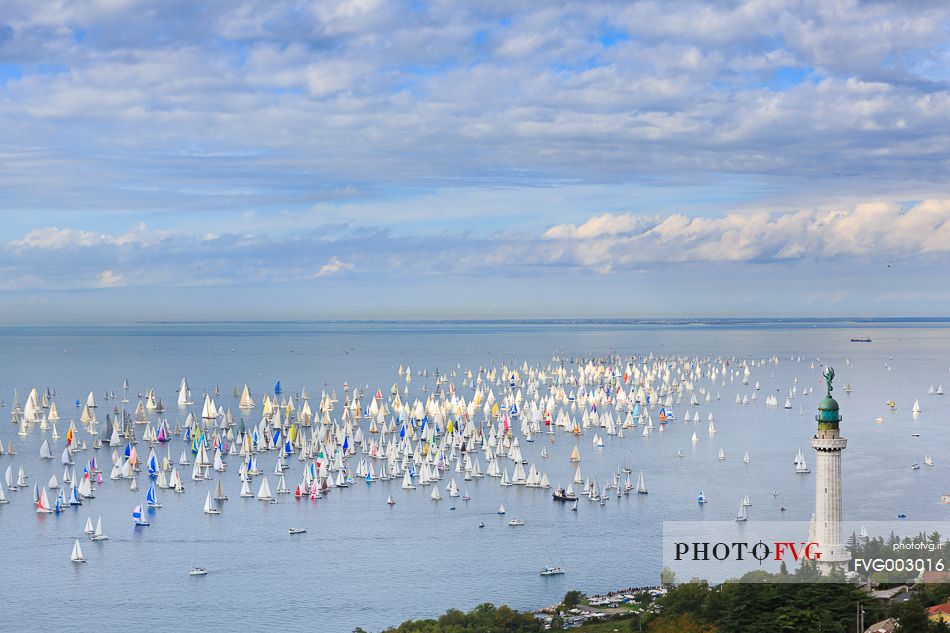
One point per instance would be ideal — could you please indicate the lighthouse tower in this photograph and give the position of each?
(826, 522)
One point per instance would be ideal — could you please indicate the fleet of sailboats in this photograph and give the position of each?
(494, 431)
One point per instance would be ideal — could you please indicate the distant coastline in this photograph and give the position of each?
(665, 321)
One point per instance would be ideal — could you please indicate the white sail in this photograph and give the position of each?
(76, 555)
(184, 393)
(264, 493)
(210, 508)
(208, 410)
(98, 535)
(246, 402)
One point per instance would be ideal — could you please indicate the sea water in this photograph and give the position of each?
(364, 563)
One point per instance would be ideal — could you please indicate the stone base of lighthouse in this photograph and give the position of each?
(826, 525)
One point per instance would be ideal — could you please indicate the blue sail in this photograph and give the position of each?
(288, 448)
(277, 387)
(276, 439)
(150, 495)
(128, 449)
(152, 466)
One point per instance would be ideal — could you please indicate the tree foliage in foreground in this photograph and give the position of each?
(683, 623)
(485, 618)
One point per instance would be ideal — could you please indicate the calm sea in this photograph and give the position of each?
(363, 563)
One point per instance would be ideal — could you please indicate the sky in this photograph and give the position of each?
(264, 159)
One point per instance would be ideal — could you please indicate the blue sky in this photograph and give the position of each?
(385, 159)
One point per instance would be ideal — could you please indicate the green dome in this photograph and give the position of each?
(828, 413)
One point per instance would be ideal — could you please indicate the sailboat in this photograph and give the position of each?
(137, 517)
(745, 458)
(150, 498)
(42, 506)
(928, 460)
(210, 508)
(89, 529)
(219, 492)
(801, 467)
(722, 455)
(743, 513)
(76, 555)
(916, 408)
(390, 501)
(641, 484)
(97, 535)
(501, 509)
(264, 493)
(701, 499)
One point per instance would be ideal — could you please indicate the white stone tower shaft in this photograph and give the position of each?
(828, 508)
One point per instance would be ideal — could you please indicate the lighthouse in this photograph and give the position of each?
(826, 521)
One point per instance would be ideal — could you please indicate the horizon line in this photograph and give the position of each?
(512, 320)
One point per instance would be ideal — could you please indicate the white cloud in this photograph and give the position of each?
(108, 279)
(335, 265)
(55, 238)
(598, 226)
(874, 229)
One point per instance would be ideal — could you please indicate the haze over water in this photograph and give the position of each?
(363, 563)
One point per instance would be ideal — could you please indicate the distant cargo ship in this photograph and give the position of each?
(866, 339)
